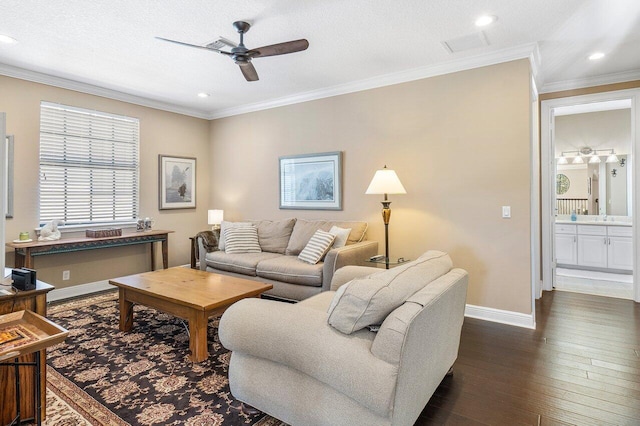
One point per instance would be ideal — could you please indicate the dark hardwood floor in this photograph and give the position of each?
(581, 366)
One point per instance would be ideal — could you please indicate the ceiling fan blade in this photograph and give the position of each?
(249, 72)
(210, 49)
(279, 49)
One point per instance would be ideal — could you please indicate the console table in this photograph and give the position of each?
(25, 252)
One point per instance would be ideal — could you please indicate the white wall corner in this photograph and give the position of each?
(516, 319)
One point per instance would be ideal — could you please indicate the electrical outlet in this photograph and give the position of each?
(66, 275)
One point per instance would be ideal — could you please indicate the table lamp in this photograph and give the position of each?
(215, 219)
(386, 182)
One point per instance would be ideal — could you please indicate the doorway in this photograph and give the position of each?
(587, 201)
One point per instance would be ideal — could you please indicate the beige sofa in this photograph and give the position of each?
(307, 366)
(281, 242)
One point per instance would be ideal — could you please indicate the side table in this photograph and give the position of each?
(36, 301)
(387, 262)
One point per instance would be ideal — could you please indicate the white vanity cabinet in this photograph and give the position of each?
(566, 244)
(594, 246)
(620, 247)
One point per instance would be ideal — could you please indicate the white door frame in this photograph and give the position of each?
(548, 183)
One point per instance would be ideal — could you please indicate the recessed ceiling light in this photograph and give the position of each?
(596, 56)
(7, 40)
(485, 20)
(203, 95)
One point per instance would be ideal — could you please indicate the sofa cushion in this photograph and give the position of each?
(226, 224)
(317, 247)
(242, 263)
(241, 239)
(274, 235)
(290, 269)
(304, 229)
(368, 301)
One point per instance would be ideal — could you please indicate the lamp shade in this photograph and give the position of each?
(385, 181)
(215, 217)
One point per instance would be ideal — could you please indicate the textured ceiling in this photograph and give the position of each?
(111, 44)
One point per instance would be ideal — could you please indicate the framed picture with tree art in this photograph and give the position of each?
(176, 182)
(311, 181)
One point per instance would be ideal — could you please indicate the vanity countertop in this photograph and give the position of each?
(593, 222)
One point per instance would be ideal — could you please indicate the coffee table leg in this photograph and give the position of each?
(126, 312)
(198, 336)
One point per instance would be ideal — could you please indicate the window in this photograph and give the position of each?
(88, 166)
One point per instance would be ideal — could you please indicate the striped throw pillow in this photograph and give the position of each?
(317, 247)
(242, 239)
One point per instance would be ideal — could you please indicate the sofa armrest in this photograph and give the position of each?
(349, 272)
(300, 338)
(352, 254)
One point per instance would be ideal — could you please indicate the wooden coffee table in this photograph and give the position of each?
(189, 294)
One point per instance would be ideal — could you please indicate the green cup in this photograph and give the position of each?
(24, 236)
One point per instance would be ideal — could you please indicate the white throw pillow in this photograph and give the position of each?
(368, 300)
(226, 224)
(317, 247)
(342, 234)
(242, 239)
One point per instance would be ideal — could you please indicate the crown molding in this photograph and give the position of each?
(527, 51)
(600, 80)
(63, 83)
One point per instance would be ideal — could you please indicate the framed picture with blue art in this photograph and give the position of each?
(311, 181)
(176, 182)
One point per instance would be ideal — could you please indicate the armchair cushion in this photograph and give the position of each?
(368, 300)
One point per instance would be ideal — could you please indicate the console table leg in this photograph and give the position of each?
(153, 256)
(165, 253)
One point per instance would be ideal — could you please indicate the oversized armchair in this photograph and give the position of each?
(317, 362)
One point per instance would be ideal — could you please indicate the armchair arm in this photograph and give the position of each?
(353, 254)
(300, 338)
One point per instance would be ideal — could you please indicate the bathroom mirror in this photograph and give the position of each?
(597, 188)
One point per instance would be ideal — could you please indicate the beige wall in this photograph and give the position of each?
(460, 143)
(160, 133)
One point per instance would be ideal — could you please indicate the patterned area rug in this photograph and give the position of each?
(103, 376)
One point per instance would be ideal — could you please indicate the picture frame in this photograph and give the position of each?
(176, 182)
(311, 181)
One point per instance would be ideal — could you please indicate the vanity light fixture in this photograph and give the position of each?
(593, 154)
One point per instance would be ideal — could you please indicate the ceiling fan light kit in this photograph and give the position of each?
(242, 56)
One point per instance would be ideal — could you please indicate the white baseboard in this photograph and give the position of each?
(78, 290)
(497, 315)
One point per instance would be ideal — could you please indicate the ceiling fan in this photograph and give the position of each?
(243, 56)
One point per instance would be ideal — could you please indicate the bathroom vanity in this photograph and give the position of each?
(602, 245)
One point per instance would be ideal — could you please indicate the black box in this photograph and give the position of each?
(24, 279)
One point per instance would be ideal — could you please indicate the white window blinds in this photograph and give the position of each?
(88, 166)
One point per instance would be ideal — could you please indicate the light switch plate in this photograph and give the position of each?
(506, 211)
